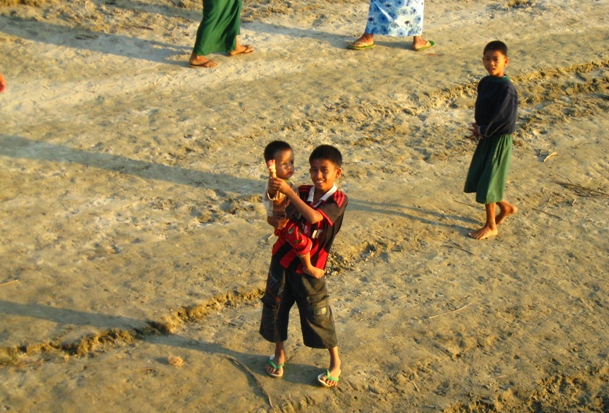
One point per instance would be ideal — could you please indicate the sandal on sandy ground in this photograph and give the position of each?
(360, 46)
(207, 65)
(428, 45)
(324, 378)
(276, 367)
(247, 48)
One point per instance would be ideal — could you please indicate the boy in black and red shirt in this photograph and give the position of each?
(319, 210)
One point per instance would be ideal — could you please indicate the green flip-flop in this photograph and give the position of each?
(327, 376)
(360, 46)
(429, 45)
(275, 367)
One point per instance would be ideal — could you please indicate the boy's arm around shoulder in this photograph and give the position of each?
(311, 215)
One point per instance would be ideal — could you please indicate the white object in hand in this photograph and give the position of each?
(271, 165)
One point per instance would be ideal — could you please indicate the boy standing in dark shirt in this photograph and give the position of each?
(319, 214)
(496, 109)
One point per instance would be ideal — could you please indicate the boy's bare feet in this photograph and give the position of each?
(484, 233)
(505, 210)
(314, 271)
(201, 61)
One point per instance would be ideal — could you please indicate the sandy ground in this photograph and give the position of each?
(133, 234)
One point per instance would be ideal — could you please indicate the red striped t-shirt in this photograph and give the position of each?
(332, 206)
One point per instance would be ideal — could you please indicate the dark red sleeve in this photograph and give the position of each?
(334, 207)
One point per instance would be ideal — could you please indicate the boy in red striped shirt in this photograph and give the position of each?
(319, 210)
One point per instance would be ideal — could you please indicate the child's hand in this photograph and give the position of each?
(270, 164)
(272, 171)
(278, 185)
(475, 130)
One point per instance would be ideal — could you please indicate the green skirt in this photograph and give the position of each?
(219, 28)
(488, 171)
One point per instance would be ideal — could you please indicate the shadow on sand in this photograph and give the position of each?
(140, 331)
(22, 148)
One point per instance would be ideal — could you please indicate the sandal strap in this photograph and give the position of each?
(276, 366)
(330, 377)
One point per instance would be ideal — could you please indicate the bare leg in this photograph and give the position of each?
(241, 48)
(334, 368)
(279, 359)
(418, 42)
(309, 268)
(505, 210)
(490, 228)
(201, 61)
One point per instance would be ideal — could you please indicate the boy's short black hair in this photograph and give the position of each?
(498, 46)
(273, 147)
(327, 153)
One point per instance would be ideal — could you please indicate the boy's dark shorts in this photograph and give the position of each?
(285, 287)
